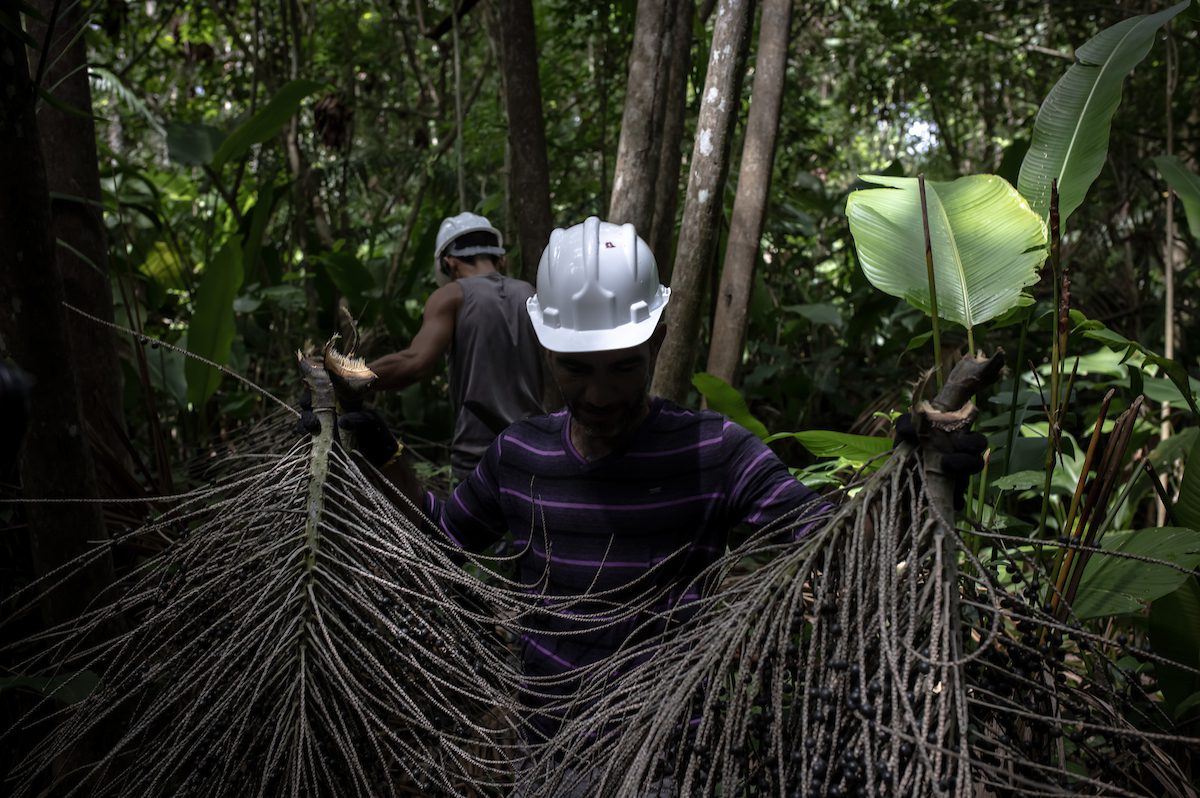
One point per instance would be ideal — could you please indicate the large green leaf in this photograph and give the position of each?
(725, 399)
(1174, 370)
(1117, 585)
(987, 243)
(1070, 135)
(192, 145)
(266, 123)
(853, 449)
(1186, 185)
(1175, 634)
(1187, 505)
(210, 333)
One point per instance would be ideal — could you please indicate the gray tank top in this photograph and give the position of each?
(495, 366)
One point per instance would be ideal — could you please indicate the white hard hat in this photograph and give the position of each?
(456, 227)
(597, 289)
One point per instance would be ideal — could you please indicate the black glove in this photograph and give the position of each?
(372, 438)
(308, 423)
(962, 454)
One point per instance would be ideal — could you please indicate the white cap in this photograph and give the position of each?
(597, 289)
(456, 227)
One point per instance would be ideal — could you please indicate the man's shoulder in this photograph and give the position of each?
(672, 417)
(533, 428)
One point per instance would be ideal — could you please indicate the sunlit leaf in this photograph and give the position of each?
(987, 244)
(855, 449)
(1070, 135)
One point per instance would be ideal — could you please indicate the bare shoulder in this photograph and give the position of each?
(446, 299)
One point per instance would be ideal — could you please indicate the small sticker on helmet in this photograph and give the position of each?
(609, 245)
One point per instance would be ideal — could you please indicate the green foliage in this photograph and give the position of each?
(1117, 585)
(987, 244)
(1070, 137)
(1175, 634)
(210, 334)
(1184, 183)
(725, 399)
(264, 124)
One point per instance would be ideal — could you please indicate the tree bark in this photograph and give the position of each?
(56, 462)
(666, 187)
(754, 185)
(77, 221)
(642, 121)
(529, 177)
(699, 229)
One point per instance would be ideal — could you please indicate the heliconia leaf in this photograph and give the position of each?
(856, 449)
(1186, 185)
(1187, 505)
(1114, 585)
(266, 123)
(987, 243)
(1070, 135)
(210, 332)
(725, 399)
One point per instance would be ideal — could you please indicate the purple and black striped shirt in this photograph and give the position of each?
(642, 521)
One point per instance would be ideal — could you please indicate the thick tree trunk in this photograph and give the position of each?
(529, 177)
(642, 122)
(77, 223)
(699, 229)
(754, 185)
(666, 187)
(56, 463)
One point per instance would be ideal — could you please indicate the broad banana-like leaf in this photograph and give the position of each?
(1186, 185)
(987, 243)
(1070, 135)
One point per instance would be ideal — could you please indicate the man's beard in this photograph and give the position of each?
(620, 424)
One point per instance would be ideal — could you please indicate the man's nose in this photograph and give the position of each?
(598, 393)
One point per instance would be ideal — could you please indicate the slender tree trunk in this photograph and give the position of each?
(666, 187)
(642, 122)
(754, 184)
(529, 177)
(699, 229)
(1169, 322)
(56, 462)
(73, 178)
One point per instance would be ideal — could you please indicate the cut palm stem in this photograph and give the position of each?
(933, 308)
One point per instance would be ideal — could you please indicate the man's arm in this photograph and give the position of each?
(401, 369)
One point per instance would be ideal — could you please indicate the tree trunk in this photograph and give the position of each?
(642, 122)
(73, 177)
(57, 463)
(699, 229)
(754, 184)
(666, 187)
(529, 177)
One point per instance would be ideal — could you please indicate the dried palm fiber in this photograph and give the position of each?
(296, 635)
(876, 656)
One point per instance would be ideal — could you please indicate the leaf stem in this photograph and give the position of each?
(937, 335)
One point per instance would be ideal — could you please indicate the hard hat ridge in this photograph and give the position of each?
(597, 289)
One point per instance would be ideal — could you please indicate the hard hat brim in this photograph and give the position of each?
(569, 341)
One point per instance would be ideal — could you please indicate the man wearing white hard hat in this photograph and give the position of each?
(620, 495)
(477, 317)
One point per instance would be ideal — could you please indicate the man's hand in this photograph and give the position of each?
(962, 454)
(372, 438)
